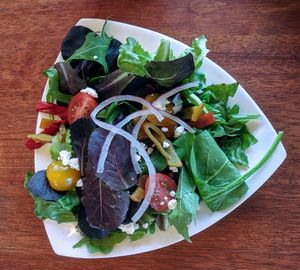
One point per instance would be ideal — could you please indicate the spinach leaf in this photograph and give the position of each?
(218, 197)
(73, 40)
(232, 147)
(187, 204)
(94, 49)
(158, 160)
(69, 81)
(170, 73)
(53, 93)
(212, 169)
(164, 51)
(133, 57)
(104, 245)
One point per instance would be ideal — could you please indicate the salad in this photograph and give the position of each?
(137, 140)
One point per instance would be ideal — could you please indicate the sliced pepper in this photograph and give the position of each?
(204, 120)
(193, 113)
(164, 146)
(51, 108)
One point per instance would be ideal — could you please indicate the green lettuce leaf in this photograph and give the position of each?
(132, 57)
(53, 93)
(187, 204)
(164, 51)
(104, 245)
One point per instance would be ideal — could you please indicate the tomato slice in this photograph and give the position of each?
(204, 120)
(80, 106)
(162, 193)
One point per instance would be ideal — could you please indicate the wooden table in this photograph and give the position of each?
(258, 42)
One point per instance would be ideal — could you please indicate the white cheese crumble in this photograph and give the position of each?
(90, 91)
(162, 203)
(165, 144)
(79, 183)
(129, 228)
(145, 225)
(172, 193)
(172, 204)
(179, 131)
(173, 169)
(137, 157)
(65, 157)
(162, 104)
(164, 129)
(95, 57)
(150, 150)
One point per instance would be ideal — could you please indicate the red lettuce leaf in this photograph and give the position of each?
(118, 172)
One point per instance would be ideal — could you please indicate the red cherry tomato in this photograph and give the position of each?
(80, 106)
(204, 120)
(161, 195)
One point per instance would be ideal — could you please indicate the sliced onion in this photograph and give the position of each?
(173, 92)
(110, 136)
(135, 133)
(140, 100)
(152, 182)
(178, 121)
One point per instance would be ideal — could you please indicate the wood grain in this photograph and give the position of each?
(258, 42)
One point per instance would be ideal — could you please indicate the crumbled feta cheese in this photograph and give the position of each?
(79, 183)
(179, 131)
(74, 163)
(129, 228)
(172, 193)
(164, 129)
(161, 105)
(162, 203)
(173, 169)
(165, 144)
(90, 91)
(137, 157)
(172, 204)
(150, 150)
(166, 198)
(144, 145)
(145, 225)
(65, 157)
(95, 57)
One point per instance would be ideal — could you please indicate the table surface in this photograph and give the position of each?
(257, 42)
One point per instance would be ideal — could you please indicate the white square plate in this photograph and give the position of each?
(63, 236)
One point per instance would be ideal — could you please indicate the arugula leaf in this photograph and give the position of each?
(132, 57)
(198, 50)
(104, 245)
(164, 51)
(53, 93)
(94, 49)
(68, 140)
(187, 204)
(219, 92)
(247, 139)
(218, 197)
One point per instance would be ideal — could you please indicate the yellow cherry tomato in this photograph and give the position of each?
(62, 177)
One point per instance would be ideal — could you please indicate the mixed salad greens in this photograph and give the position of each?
(137, 140)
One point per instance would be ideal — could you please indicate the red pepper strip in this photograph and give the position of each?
(204, 120)
(50, 130)
(51, 108)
